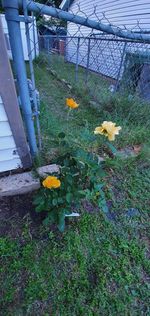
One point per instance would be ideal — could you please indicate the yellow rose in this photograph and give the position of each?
(51, 183)
(71, 103)
(109, 129)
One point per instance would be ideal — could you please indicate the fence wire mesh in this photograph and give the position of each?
(108, 55)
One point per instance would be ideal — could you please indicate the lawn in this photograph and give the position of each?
(100, 264)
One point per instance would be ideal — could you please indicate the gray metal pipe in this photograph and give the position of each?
(13, 22)
(66, 16)
(36, 111)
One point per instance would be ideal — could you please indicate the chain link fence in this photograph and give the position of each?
(94, 49)
(100, 62)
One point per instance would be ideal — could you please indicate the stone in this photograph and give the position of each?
(25, 182)
(18, 184)
(46, 170)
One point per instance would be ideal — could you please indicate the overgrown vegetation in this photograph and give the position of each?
(100, 264)
(131, 113)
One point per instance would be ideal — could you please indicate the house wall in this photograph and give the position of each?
(33, 33)
(105, 56)
(118, 12)
(9, 158)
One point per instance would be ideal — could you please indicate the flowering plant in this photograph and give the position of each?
(81, 175)
(108, 129)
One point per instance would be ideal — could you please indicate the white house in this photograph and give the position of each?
(105, 54)
(14, 150)
(33, 38)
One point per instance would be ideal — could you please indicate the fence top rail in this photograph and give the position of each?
(102, 38)
(97, 25)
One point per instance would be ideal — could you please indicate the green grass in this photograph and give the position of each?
(132, 114)
(95, 268)
(98, 266)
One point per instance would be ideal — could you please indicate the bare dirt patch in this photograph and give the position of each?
(13, 212)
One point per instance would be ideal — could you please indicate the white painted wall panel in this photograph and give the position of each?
(7, 142)
(119, 12)
(3, 116)
(9, 158)
(11, 153)
(33, 32)
(10, 164)
(5, 129)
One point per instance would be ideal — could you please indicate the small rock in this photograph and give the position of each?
(18, 184)
(46, 170)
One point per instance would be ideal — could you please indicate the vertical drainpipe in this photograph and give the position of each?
(13, 22)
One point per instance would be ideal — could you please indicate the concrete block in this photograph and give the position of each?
(25, 182)
(18, 184)
(46, 170)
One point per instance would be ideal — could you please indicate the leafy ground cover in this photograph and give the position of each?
(100, 264)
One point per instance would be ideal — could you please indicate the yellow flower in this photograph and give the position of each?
(51, 183)
(109, 129)
(71, 103)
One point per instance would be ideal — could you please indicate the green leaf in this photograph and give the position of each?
(103, 205)
(60, 200)
(51, 218)
(54, 202)
(112, 148)
(64, 143)
(40, 207)
(37, 200)
(99, 186)
(66, 162)
(61, 135)
(69, 197)
(46, 221)
(61, 222)
(101, 173)
(69, 189)
(82, 192)
(69, 179)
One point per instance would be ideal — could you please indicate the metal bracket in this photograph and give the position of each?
(36, 113)
(13, 16)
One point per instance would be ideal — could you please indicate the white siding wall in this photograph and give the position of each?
(23, 35)
(122, 13)
(9, 159)
(105, 56)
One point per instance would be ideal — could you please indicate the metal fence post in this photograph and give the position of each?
(34, 34)
(88, 61)
(121, 63)
(30, 51)
(13, 22)
(77, 60)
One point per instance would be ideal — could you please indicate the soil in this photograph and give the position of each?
(18, 211)
(13, 212)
